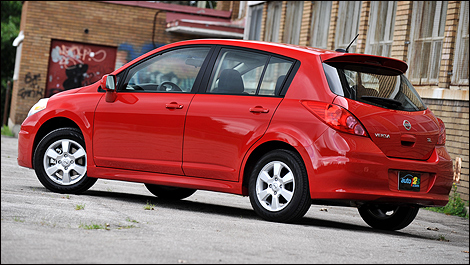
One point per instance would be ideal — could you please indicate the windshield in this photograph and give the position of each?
(373, 85)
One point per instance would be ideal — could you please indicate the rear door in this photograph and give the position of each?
(232, 113)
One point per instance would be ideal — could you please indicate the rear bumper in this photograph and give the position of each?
(353, 170)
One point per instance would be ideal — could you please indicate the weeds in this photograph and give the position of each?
(80, 207)
(18, 219)
(127, 227)
(149, 206)
(6, 131)
(130, 220)
(92, 226)
(455, 206)
(443, 238)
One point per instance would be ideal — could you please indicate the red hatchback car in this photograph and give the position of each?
(288, 126)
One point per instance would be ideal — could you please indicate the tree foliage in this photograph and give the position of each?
(11, 18)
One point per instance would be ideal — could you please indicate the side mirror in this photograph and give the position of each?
(108, 83)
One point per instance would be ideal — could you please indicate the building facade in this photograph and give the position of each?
(431, 36)
(66, 44)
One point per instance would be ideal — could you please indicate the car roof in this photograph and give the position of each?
(295, 51)
(262, 45)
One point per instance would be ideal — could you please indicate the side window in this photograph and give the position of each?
(237, 72)
(248, 73)
(274, 77)
(173, 71)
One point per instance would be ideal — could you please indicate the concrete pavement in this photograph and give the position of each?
(110, 224)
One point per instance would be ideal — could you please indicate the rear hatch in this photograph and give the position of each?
(375, 90)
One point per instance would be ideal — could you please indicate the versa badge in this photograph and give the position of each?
(382, 135)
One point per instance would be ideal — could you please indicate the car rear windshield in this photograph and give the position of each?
(373, 85)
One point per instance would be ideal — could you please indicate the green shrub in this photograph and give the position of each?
(6, 131)
(455, 206)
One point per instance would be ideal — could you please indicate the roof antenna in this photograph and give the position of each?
(347, 48)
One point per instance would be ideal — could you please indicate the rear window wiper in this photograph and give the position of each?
(383, 101)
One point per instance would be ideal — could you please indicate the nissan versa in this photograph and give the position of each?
(288, 126)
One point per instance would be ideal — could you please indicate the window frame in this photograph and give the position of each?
(459, 54)
(293, 22)
(254, 20)
(372, 32)
(273, 21)
(319, 9)
(129, 71)
(342, 37)
(215, 55)
(415, 74)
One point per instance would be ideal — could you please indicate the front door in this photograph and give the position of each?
(143, 128)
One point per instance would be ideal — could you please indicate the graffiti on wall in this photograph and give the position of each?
(31, 86)
(73, 65)
(127, 52)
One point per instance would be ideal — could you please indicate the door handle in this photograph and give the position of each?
(259, 109)
(174, 105)
(408, 140)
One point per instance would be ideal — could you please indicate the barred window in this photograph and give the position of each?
(320, 24)
(348, 24)
(254, 24)
(273, 21)
(294, 10)
(382, 21)
(427, 33)
(460, 71)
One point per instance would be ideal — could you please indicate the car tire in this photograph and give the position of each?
(60, 162)
(169, 193)
(388, 217)
(278, 187)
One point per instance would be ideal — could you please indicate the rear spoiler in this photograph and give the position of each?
(365, 59)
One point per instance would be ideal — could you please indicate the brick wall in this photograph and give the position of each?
(108, 24)
(402, 30)
(263, 22)
(451, 105)
(233, 6)
(283, 20)
(305, 31)
(333, 23)
(450, 35)
(455, 115)
(363, 27)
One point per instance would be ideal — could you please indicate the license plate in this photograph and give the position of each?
(409, 181)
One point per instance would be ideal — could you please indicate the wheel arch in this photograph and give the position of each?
(49, 126)
(257, 153)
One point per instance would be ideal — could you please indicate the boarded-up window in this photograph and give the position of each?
(74, 64)
(256, 13)
(348, 24)
(294, 10)
(382, 21)
(273, 21)
(320, 24)
(460, 72)
(427, 33)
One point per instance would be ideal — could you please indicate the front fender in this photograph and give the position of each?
(60, 112)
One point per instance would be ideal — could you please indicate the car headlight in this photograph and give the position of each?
(40, 105)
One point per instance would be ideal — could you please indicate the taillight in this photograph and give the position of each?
(336, 117)
(441, 140)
